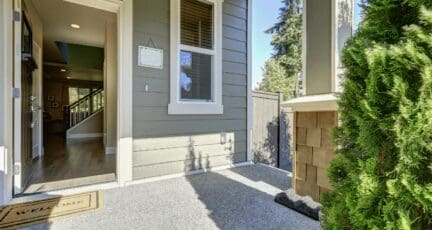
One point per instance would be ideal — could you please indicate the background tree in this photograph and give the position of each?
(286, 41)
(276, 80)
(382, 172)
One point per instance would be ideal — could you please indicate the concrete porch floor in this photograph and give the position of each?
(237, 198)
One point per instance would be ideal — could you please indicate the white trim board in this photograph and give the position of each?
(249, 156)
(107, 5)
(124, 93)
(323, 102)
(83, 135)
(177, 106)
(17, 101)
(6, 70)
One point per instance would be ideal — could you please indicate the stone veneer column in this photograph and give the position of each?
(313, 152)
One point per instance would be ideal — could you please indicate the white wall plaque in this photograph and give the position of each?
(150, 57)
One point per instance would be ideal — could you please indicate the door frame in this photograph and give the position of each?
(39, 85)
(124, 11)
(17, 122)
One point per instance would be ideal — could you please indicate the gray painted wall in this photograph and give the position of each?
(318, 56)
(166, 144)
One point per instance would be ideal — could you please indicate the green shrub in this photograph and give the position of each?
(382, 172)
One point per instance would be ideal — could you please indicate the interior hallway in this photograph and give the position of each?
(70, 164)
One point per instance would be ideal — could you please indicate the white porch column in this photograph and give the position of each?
(327, 26)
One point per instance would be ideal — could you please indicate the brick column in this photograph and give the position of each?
(313, 152)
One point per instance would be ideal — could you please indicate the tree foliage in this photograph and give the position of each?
(276, 80)
(382, 172)
(286, 41)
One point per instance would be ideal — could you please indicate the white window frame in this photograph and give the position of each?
(177, 106)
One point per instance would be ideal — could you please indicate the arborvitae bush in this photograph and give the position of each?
(382, 171)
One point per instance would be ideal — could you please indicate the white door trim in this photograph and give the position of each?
(39, 85)
(6, 44)
(17, 100)
(107, 5)
(125, 93)
(124, 101)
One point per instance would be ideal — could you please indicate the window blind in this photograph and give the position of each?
(196, 24)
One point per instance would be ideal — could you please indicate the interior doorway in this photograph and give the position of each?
(68, 139)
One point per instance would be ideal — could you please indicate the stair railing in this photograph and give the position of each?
(84, 108)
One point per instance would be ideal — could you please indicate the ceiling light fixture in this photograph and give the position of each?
(68, 77)
(75, 26)
(63, 70)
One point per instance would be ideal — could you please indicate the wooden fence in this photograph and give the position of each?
(271, 131)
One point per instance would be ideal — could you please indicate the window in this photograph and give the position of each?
(196, 68)
(76, 93)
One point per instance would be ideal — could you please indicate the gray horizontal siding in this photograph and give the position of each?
(181, 127)
(166, 144)
(169, 142)
(196, 163)
(160, 156)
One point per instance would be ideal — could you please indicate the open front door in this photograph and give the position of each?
(24, 65)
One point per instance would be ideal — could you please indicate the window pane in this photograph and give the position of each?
(83, 92)
(197, 24)
(73, 95)
(195, 76)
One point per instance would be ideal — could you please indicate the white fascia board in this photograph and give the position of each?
(322, 102)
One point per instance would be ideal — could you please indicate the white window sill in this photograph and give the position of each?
(194, 108)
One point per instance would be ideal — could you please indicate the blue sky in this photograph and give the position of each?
(265, 15)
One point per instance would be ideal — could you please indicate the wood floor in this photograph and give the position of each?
(70, 164)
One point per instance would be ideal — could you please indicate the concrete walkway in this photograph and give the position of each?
(238, 198)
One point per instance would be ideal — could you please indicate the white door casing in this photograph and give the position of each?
(17, 168)
(124, 100)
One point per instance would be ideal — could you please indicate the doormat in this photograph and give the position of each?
(303, 205)
(23, 214)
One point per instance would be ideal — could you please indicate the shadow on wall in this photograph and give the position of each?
(194, 159)
(285, 149)
(275, 149)
(266, 151)
(205, 156)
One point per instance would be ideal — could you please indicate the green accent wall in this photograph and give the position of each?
(87, 57)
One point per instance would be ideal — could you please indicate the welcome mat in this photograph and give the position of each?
(19, 215)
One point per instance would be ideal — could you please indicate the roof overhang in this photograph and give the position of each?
(322, 102)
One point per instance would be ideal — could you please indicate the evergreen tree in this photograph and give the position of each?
(286, 41)
(276, 80)
(287, 37)
(382, 171)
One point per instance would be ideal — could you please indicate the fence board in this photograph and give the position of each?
(266, 111)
